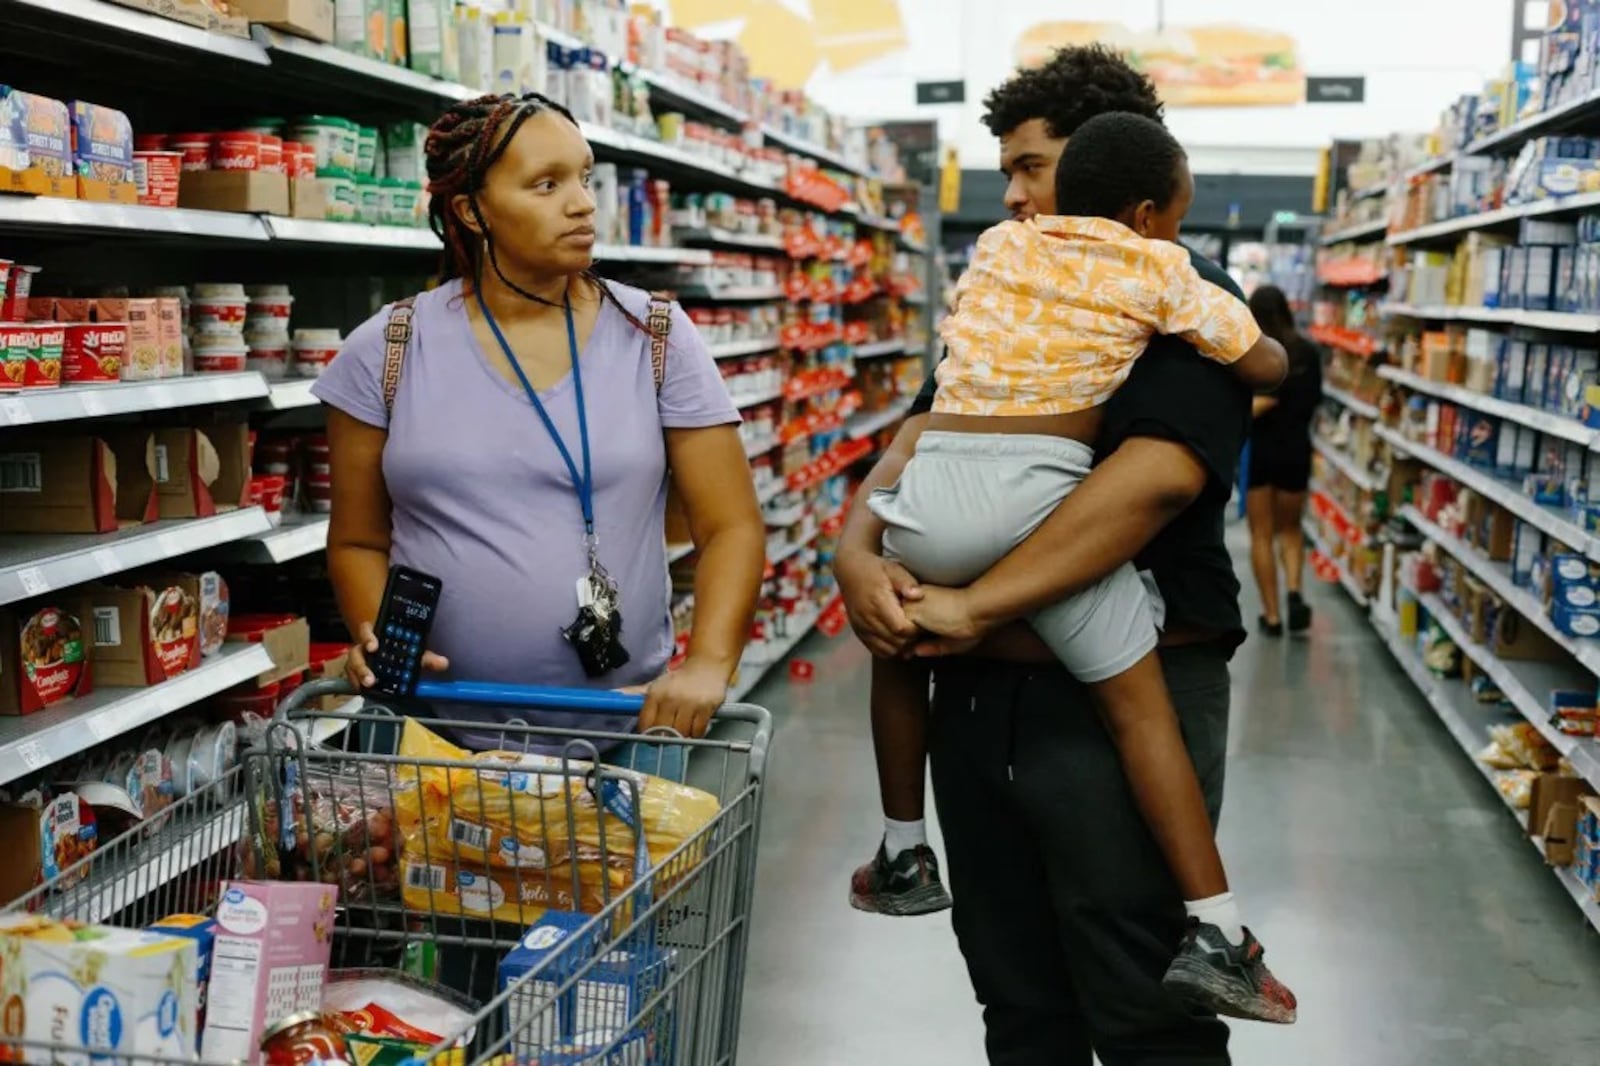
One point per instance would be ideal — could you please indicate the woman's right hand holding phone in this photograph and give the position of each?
(359, 674)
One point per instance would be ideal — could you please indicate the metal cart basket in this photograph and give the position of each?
(637, 889)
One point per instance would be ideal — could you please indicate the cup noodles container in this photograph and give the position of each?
(236, 150)
(268, 354)
(219, 354)
(271, 158)
(218, 314)
(32, 355)
(149, 142)
(266, 492)
(319, 492)
(94, 352)
(195, 148)
(19, 283)
(156, 175)
(271, 305)
(314, 349)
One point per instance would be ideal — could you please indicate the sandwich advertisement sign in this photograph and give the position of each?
(1192, 66)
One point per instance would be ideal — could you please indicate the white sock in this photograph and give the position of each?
(1220, 911)
(903, 836)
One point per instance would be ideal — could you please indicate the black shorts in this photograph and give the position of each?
(1284, 473)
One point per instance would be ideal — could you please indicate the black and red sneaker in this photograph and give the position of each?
(906, 886)
(1228, 979)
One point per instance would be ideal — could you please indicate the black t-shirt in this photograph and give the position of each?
(1283, 434)
(1176, 394)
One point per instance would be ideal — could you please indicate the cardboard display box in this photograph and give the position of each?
(46, 652)
(287, 642)
(189, 472)
(305, 18)
(66, 485)
(249, 191)
(148, 633)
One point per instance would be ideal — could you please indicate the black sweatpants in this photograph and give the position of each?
(1064, 908)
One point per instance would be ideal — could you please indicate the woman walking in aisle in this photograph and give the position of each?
(1280, 466)
(513, 431)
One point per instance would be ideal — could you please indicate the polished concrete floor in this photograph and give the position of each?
(1398, 899)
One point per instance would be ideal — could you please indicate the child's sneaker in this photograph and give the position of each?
(1231, 980)
(1299, 613)
(908, 885)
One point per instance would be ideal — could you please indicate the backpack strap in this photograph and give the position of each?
(660, 323)
(396, 339)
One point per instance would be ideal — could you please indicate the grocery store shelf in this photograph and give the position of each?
(352, 234)
(1543, 421)
(50, 213)
(771, 491)
(32, 742)
(1507, 494)
(892, 346)
(1467, 722)
(1345, 465)
(1486, 219)
(1360, 407)
(287, 395)
(733, 293)
(1523, 683)
(208, 833)
(32, 564)
(1429, 166)
(754, 667)
(314, 61)
(1557, 118)
(640, 253)
(732, 349)
(1359, 232)
(728, 238)
(1346, 578)
(753, 448)
(1557, 321)
(129, 397)
(755, 398)
(868, 423)
(298, 536)
(789, 142)
(87, 19)
(1371, 192)
(1497, 576)
(878, 222)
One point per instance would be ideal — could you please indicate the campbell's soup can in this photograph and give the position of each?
(195, 148)
(271, 157)
(236, 150)
(93, 352)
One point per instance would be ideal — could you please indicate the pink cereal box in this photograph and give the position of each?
(269, 960)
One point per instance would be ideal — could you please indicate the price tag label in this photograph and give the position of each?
(32, 755)
(15, 412)
(106, 561)
(34, 583)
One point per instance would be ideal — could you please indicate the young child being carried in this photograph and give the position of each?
(1048, 321)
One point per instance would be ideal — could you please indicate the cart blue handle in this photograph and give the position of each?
(544, 697)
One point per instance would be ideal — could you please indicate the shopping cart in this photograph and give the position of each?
(443, 865)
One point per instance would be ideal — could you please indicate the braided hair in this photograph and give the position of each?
(462, 146)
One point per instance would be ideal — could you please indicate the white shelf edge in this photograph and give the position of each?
(1544, 421)
(733, 349)
(155, 27)
(718, 235)
(290, 394)
(69, 402)
(877, 349)
(1361, 231)
(771, 491)
(1508, 496)
(752, 672)
(1348, 399)
(132, 218)
(866, 424)
(31, 743)
(210, 834)
(352, 234)
(676, 552)
(1344, 464)
(734, 294)
(88, 557)
(1554, 321)
(1484, 219)
(295, 538)
(755, 399)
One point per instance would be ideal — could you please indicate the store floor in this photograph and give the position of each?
(1415, 923)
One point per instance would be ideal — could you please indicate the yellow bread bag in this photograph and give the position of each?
(436, 885)
(510, 810)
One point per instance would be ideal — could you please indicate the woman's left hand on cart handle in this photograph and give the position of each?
(683, 700)
(356, 670)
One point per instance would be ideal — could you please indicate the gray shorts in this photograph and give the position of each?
(966, 499)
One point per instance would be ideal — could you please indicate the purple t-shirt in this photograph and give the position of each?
(482, 499)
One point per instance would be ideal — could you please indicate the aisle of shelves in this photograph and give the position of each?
(838, 397)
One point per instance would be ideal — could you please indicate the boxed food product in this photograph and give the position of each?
(65, 484)
(192, 473)
(93, 352)
(30, 355)
(102, 154)
(213, 613)
(169, 337)
(362, 27)
(46, 838)
(271, 952)
(305, 18)
(250, 191)
(286, 638)
(146, 634)
(130, 991)
(35, 145)
(203, 931)
(44, 656)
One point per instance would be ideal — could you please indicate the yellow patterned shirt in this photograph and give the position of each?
(1052, 313)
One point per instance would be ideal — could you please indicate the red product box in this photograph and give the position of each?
(30, 355)
(94, 352)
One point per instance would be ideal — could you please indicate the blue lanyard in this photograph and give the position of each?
(584, 484)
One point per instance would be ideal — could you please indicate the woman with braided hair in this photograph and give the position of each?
(517, 444)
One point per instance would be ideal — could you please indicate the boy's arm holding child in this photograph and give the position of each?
(1219, 326)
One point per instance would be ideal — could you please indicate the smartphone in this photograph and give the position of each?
(410, 600)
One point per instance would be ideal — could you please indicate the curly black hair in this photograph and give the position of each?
(1077, 84)
(1116, 161)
